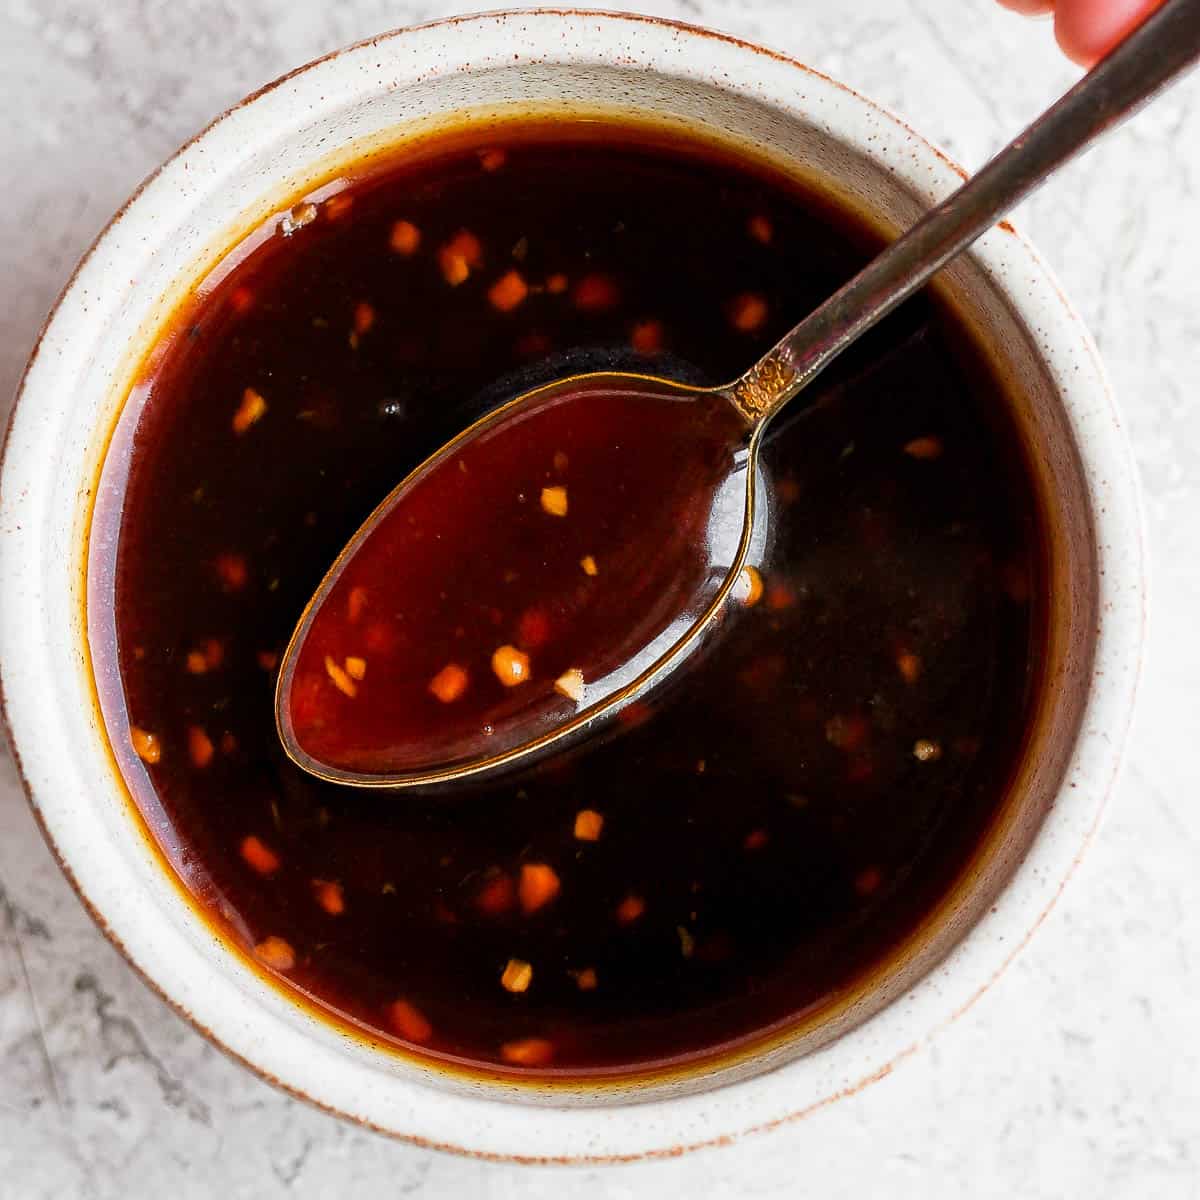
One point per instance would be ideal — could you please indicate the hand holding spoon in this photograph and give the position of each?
(564, 554)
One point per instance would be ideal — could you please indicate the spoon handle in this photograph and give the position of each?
(1150, 58)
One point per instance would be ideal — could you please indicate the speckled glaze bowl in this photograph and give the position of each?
(287, 142)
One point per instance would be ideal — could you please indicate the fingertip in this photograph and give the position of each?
(1088, 29)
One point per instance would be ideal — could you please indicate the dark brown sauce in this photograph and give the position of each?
(755, 839)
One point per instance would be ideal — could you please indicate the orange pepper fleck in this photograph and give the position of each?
(924, 447)
(462, 254)
(259, 856)
(330, 896)
(492, 159)
(232, 571)
(516, 976)
(556, 284)
(647, 337)
(554, 501)
(630, 909)
(748, 312)
(276, 953)
(356, 667)
(200, 747)
(780, 596)
(510, 665)
(509, 291)
(449, 683)
(588, 824)
(364, 317)
(596, 293)
(528, 1052)
(497, 896)
(760, 229)
(538, 887)
(409, 1022)
(356, 603)
(145, 745)
(341, 680)
(585, 980)
(252, 408)
(405, 238)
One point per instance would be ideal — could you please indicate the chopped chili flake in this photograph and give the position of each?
(297, 217)
(356, 603)
(409, 1022)
(748, 589)
(588, 824)
(630, 909)
(241, 299)
(228, 743)
(341, 680)
(748, 312)
(756, 839)
(687, 943)
(780, 596)
(760, 229)
(554, 501)
(928, 447)
(276, 953)
(200, 747)
(462, 254)
(528, 1052)
(267, 659)
(405, 238)
(556, 284)
(497, 896)
(909, 666)
(516, 976)
(356, 667)
(145, 745)
(538, 887)
(596, 293)
(570, 685)
(232, 571)
(197, 664)
(329, 896)
(925, 750)
(259, 855)
(381, 638)
(449, 683)
(510, 665)
(588, 563)
(214, 653)
(868, 880)
(252, 408)
(585, 979)
(847, 733)
(338, 206)
(508, 292)
(364, 317)
(647, 337)
(492, 159)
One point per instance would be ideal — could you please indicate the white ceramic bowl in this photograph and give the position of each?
(289, 139)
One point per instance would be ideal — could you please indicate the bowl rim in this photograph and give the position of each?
(1106, 459)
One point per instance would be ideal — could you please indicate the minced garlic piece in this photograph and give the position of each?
(510, 665)
(517, 975)
(588, 563)
(570, 684)
(341, 680)
(252, 408)
(147, 747)
(588, 824)
(554, 501)
(356, 667)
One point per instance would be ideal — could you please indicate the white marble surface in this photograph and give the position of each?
(1077, 1075)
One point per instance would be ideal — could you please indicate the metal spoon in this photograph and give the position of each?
(1156, 54)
